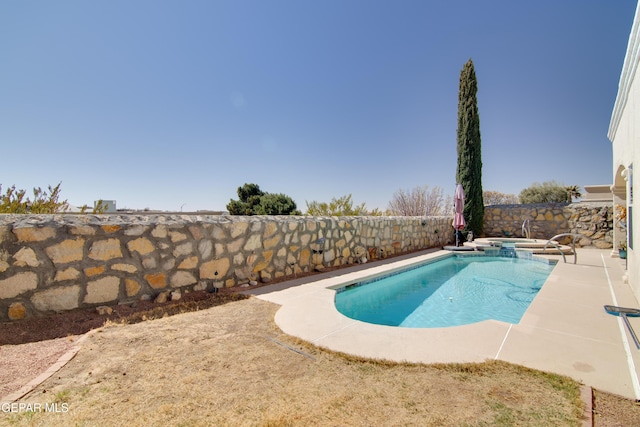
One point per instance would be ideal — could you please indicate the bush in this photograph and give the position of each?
(342, 206)
(547, 192)
(420, 201)
(497, 198)
(253, 201)
(13, 201)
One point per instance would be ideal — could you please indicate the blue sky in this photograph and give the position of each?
(175, 104)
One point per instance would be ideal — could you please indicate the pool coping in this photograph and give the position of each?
(521, 255)
(565, 330)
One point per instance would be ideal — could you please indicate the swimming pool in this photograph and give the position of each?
(453, 291)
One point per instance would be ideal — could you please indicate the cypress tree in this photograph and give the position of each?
(469, 171)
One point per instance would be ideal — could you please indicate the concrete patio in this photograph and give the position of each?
(565, 330)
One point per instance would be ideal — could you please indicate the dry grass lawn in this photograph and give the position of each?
(230, 365)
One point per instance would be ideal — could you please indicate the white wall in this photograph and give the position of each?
(624, 133)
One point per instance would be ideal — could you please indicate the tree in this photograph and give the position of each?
(469, 147)
(276, 204)
(253, 201)
(420, 201)
(249, 197)
(13, 201)
(248, 192)
(497, 198)
(342, 206)
(547, 192)
(573, 192)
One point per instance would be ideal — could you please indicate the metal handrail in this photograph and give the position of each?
(526, 230)
(573, 245)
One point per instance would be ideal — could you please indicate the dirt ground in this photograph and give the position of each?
(230, 365)
(77, 322)
(30, 346)
(219, 359)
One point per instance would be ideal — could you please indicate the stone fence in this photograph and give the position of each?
(592, 221)
(62, 262)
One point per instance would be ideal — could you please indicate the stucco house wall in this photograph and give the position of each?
(624, 133)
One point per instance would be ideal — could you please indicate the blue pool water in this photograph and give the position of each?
(455, 291)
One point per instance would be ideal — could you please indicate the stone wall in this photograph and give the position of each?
(593, 221)
(62, 262)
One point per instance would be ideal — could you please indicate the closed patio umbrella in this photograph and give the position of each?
(458, 217)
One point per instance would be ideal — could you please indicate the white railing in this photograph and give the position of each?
(552, 241)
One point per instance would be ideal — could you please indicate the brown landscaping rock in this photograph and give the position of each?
(265, 277)
(17, 311)
(201, 286)
(104, 310)
(162, 298)
(79, 321)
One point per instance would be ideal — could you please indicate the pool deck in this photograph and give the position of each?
(565, 330)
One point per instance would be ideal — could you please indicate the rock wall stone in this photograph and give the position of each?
(62, 262)
(592, 221)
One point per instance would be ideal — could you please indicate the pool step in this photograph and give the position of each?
(550, 250)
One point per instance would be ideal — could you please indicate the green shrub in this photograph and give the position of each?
(14, 202)
(547, 192)
(253, 201)
(342, 206)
